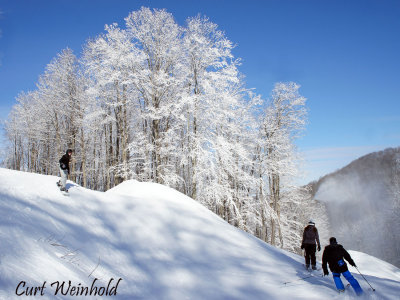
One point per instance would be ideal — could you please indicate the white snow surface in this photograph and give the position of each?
(163, 245)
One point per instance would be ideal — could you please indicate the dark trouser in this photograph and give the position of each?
(310, 254)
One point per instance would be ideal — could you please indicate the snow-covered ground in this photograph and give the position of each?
(162, 244)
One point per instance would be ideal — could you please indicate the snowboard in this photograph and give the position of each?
(65, 193)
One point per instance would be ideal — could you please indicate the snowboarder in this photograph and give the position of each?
(334, 254)
(310, 236)
(64, 170)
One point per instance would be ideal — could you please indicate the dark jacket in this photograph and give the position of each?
(310, 235)
(64, 161)
(334, 255)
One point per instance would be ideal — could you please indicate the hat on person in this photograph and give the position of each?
(311, 222)
(332, 241)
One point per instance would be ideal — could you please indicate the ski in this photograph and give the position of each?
(310, 269)
(345, 288)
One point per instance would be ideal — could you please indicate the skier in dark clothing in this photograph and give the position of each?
(334, 255)
(310, 236)
(64, 169)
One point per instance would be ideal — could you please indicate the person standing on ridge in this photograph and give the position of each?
(64, 170)
(334, 254)
(310, 236)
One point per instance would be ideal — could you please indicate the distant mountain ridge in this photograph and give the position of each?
(371, 165)
(363, 203)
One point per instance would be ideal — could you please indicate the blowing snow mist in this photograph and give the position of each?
(362, 202)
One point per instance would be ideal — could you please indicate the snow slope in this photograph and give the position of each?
(161, 243)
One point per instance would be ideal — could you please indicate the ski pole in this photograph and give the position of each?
(365, 279)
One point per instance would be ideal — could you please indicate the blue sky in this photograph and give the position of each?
(344, 54)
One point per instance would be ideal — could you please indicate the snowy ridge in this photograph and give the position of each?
(162, 244)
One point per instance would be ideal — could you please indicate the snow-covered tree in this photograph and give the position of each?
(283, 121)
(45, 120)
(110, 63)
(217, 118)
(59, 94)
(158, 82)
